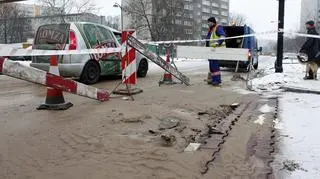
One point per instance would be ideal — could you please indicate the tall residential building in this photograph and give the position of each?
(310, 10)
(188, 22)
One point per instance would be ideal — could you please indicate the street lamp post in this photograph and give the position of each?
(121, 16)
(278, 64)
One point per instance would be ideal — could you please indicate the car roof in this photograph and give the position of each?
(112, 29)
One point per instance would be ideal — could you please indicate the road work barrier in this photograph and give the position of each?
(235, 54)
(129, 66)
(17, 70)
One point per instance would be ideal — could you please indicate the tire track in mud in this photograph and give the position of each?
(257, 156)
(224, 126)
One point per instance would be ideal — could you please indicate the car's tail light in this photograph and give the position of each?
(72, 41)
(249, 55)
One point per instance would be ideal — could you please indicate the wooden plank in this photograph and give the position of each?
(195, 52)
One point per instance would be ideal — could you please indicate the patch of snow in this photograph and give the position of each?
(292, 76)
(277, 124)
(260, 120)
(300, 120)
(241, 90)
(265, 108)
(192, 147)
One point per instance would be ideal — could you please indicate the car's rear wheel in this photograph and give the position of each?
(255, 66)
(143, 68)
(90, 73)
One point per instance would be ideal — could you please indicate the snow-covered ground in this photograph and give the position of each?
(299, 141)
(292, 76)
(299, 121)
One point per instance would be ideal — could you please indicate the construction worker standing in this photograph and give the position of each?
(215, 32)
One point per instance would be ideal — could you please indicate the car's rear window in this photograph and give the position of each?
(53, 34)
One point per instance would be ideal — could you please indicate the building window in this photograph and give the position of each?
(215, 4)
(206, 2)
(215, 12)
(189, 7)
(178, 21)
(187, 23)
(224, 6)
(224, 13)
(205, 17)
(188, 31)
(207, 10)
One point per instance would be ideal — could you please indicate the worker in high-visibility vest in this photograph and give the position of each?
(215, 32)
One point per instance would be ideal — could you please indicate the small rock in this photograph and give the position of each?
(152, 132)
(125, 98)
(168, 139)
(147, 117)
(120, 114)
(213, 130)
(203, 113)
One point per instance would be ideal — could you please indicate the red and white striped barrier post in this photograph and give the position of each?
(17, 70)
(128, 62)
(129, 66)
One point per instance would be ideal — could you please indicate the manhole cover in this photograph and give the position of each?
(168, 123)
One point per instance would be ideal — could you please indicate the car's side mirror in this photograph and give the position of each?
(260, 49)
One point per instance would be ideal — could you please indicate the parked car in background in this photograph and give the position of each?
(78, 36)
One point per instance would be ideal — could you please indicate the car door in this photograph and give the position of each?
(99, 37)
(110, 63)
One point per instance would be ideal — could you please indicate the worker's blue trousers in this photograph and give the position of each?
(215, 72)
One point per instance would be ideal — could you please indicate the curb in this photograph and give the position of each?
(299, 90)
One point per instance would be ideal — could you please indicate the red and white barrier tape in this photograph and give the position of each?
(7, 52)
(16, 70)
(302, 34)
(205, 40)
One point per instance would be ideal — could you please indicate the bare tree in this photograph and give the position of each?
(14, 25)
(156, 17)
(113, 21)
(87, 6)
(237, 19)
(63, 7)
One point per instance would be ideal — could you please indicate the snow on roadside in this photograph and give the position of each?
(299, 136)
(292, 76)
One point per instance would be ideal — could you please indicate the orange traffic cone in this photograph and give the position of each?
(167, 77)
(54, 98)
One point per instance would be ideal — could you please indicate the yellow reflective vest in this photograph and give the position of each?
(213, 38)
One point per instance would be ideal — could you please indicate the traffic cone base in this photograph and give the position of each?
(54, 98)
(128, 92)
(54, 101)
(167, 80)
